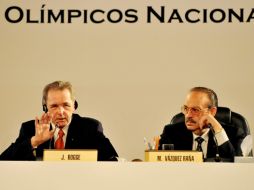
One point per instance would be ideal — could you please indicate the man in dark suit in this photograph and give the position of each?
(201, 131)
(59, 128)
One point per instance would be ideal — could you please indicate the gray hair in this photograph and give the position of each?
(57, 85)
(210, 93)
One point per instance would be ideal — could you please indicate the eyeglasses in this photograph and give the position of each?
(193, 110)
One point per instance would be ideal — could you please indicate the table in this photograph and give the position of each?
(125, 175)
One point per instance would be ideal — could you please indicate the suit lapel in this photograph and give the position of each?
(71, 132)
(189, 141)
(184, 138)
(211, 147)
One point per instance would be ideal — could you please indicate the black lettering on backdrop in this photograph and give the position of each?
(162, 14)
(151, 11)
(251, 16)
(73, 14)
(231, 12)
(221, 13)
(60, 15)
(205, 15)
(188, 18)
(13, 20)
(92, 16)
(42, 13)
(131, 16)
(114, 16)
(28, 17)
(175, 15)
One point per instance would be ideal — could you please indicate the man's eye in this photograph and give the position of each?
(53, 106)
(195, 110)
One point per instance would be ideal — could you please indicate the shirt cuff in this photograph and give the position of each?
(221, 137)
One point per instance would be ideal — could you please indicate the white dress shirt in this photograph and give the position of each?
(221, 138)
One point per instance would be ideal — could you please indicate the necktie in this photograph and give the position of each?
(199, 140)
(59, 144)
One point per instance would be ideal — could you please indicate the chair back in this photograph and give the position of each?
(225, 116)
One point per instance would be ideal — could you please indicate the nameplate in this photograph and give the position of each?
(70, 155)
(243, 159)
(173, 156)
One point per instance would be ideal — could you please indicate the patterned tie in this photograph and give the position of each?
(59, 144)
(199, 140)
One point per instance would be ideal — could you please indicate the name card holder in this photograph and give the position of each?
(173, 156)
(70, 155)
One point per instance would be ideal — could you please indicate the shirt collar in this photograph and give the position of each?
(204, 135)
(65, 129)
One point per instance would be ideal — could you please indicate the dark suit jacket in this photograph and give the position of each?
(182, 138)
(83, 133)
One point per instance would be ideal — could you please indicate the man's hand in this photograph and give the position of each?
(209, 119)
(42, 130)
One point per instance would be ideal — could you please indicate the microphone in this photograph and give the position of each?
(52, 138)
(217, 155)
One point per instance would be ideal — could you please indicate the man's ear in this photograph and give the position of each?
(213, 111)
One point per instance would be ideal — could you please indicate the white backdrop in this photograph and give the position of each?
(132, 77)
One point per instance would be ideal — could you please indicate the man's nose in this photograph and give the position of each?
(60, 110)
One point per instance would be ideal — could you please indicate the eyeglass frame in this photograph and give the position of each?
(194, 112)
